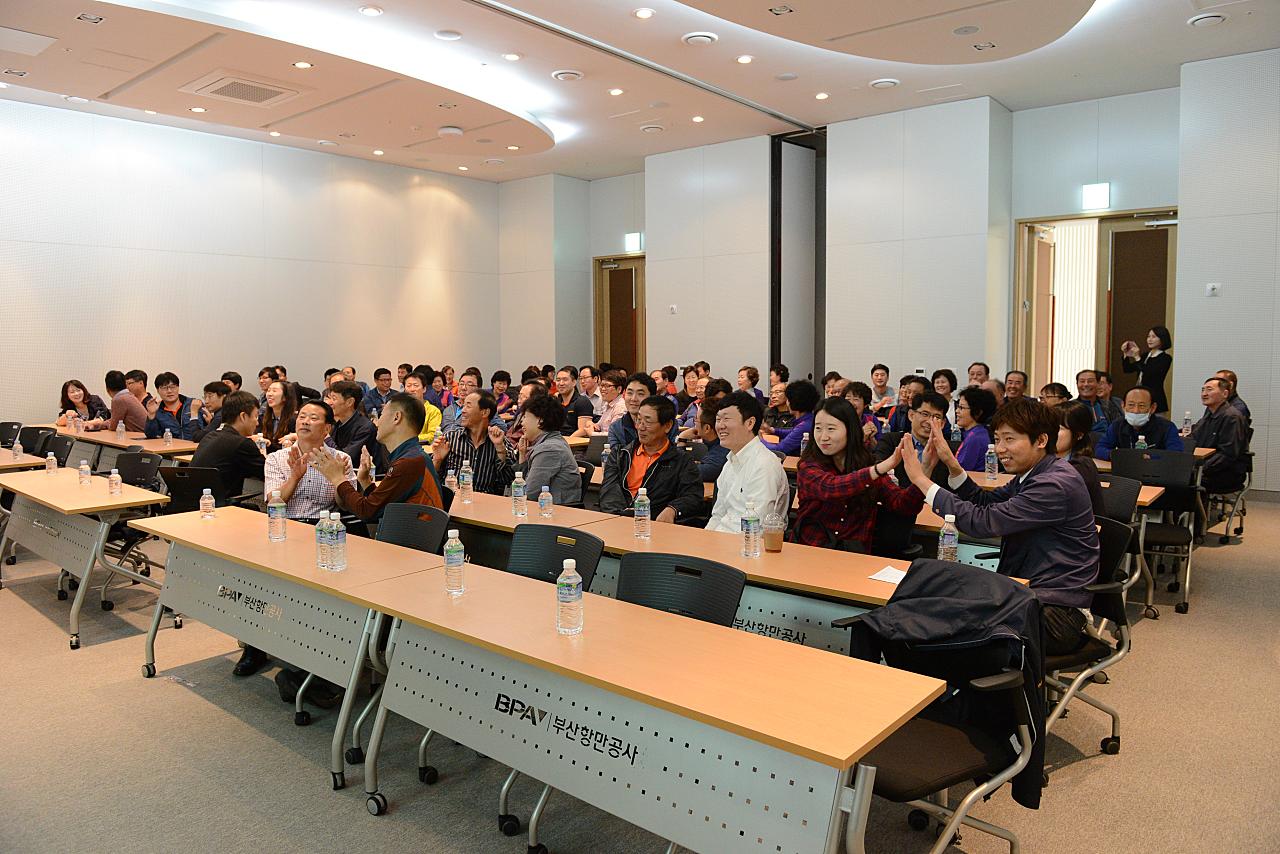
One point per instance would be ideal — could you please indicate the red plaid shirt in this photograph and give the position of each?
(831, 504)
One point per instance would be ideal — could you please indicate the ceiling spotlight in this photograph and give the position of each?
(325, 142)
(148, 112)
(513, 148)
(302, 63)
(464, 168)
(643, 14)
(371, 11)
(615, 92)
(822, 96)
(274, 133)
(75, 99)
(652, 128)
(90, 19)
(1207, 20)
(698, 119)
(781, 10)
(15, 72)
(787, 76)
(699, 39)
(196, 109)
(448, 35)
(449, 130)
(494, 161)
(566, 75)
(511, 57)
(745, 59)
(378, 152)
(984, 46)
(965, 31)
(884, 83)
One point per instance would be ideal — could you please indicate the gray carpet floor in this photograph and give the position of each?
(95, 758)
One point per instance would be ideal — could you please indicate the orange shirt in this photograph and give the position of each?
(640, 462)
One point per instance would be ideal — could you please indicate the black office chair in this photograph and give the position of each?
(587, 471)
(690, 586)
(1230, 506)
(9, 432)
(595, 444)
(1097, 654)
(123, 543)
(1120, 502)
(60, 447)
(414, 526)
(1175, 471)
(891, 536)
(33, 439)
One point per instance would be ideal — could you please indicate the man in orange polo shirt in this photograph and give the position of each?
(668, 475)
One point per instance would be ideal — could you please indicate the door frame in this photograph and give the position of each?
(1107, 227)
(599, 307)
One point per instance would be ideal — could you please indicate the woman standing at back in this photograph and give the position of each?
(1153, 367)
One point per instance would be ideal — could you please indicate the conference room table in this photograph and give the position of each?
(1201, 454)
(930, 522)
(67, 523)
(9, 462)
(101, 447)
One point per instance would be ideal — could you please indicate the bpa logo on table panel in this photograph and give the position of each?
(519, 709)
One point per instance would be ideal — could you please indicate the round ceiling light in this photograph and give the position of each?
(698, 119)
(513, 148)
(449, 130)
(745, 59)
(643, 14)
(1206, 20)
(699, 39)
(822, 96)
(464, 168)
(448, 35)
(371, 11)
(965, 31)
(3, 85)
(511, 57)
(615, 92)
(196, 109)
(302, 63)
(325, 142)
(149, 112)
(652, 128)
(566, 75)
(378, 152)
(787, 76)
(884, 83)
(494, 161)
(274, 133)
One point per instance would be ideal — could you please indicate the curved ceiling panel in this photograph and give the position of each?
(927, 32)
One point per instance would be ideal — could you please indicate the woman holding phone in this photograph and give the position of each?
(1153, 367)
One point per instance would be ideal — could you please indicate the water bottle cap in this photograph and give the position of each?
(991, 447)
(570, 563)
(642, 491)
(275, 495)
(453, 471)
(84, 462)
(334, 517)
(115, 471)
(606, 446)
(949, 518)
(51, 456)
(208, 492)
(546, 489)
(453, 533)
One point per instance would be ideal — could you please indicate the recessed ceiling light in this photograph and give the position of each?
(652, 128)
(787, 76)
(148, 112)
(274, 133)
(446, 106)
(371, 11)
(3, 85)
(745, 59)
(325, 142)
(699, 39)
(448, 35)
(513, 148)
(75, 99)
(984, 46)
(494, 161)
(781, 10)
(822, 96)
(643, 13)
(698, 119)
(302, 63)
(1207, 20)
(346, 134)
(90, 19)
(378, 152)
(884, 83)
(464, 168)
(615, 91)
(965, 31)
(511, 57)
(15, 72)
(566, 75)
(196, 109)
(449, 130)
(484, 141)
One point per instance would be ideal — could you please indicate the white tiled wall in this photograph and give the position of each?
(707, 253)
(1229, 232)
(127, 245)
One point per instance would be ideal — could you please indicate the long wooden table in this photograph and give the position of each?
(927, 520)
(226, 573)
(8, 462)
(485, 525)
(701, 734)
(1201, 454)
(67, 523)
(101, 447)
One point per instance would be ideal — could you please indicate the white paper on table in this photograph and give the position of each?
(890, 575)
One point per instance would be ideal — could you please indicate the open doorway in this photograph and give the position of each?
(619, 310)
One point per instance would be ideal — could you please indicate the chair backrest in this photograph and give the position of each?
(139, 469)
(587, 470)
(539, 551)
(691, 586)
(34, 438)
(595, 444)
(414, 526)
(1113, 545)
(185, 484)
(60, 447)
(1120, 497)
(698, 449)
(9, 432)
(1154, 467)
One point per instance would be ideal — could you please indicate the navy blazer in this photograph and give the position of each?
(1046, 525)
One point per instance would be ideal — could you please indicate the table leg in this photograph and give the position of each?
(376, 802)
(104, 526)
(4, 549)
(859, 805)
(336, 768)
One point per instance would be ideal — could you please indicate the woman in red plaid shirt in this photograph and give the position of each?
(841, 484)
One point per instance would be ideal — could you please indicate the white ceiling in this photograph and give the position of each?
(379, 78)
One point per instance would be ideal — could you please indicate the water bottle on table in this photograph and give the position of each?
(948, 539)
(168, 438)
(276, 529)
(51, 464)
(465, 482)
(992, 463)
(17, 449)
(206, 504)
(518, 507)
(641, 511)
(545, 502)
(451, 480)
(120, 429)
(322, 542)
(337, 543)
(454, 557)
(751, 531)
(114, 482)
(86, 474)
(569, 600)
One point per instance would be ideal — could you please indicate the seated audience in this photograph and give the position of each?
(579, 413)
(669, 374)
(839, 484)
(1087, 388)
(802, 397)
(544, 456)
(1139, 421)
(305, 491)
(1053, 394)
(833, 384)
(973, 412)
(278, 415)
(353, 432)
(589, 381)
(301, 392)
(622, 432)
(668, 476)
(1235, 399)
(1106, 396)
(206, 412)
(752, 472)
(979, 373)
(331, 376)
(349, 373)
(882, 397)
(230, 449)
(996, 387)
(266, 377)
(689, 393)
(748, 378)
(1043, 516)
(451, 415)
(170, 411)
(125, 407)
(779, 373)
(859, 396)
(944, 383)
(712, 389)
(612, 383)
(1075, 435)
(415, 386)
(925, 416)
(712, 462)
(528, 389)
(1015, 385)
(898, 417)
(689, 417)
(233, 380)
(376, 398)
(477, 440)
(77, 401)
(1224, 429)
(403, 370)
(435, 392)
(778, 416)
(703, 368)
(136, 383)
(501, 381)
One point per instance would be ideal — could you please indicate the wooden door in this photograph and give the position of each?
(619, 311)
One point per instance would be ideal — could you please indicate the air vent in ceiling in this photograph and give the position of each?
(244, 89)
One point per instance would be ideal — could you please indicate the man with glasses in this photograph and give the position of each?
(669, 477)
(206, 412)
(377, 397)
(1139, 426)
(451, 415)
(622, 432)
(926, 413)
(478, 439)
(589, 379)
(615, 406)
(169, 412)
(1224, 429)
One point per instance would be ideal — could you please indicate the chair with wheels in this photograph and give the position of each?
(414, 526)
(9, 432)
(1175, 471)
(690, 586)
(141, 470)
(586, 470)
(1120, 502)
(33, 439)
(1229, 507)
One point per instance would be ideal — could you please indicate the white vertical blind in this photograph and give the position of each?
(1075, 289)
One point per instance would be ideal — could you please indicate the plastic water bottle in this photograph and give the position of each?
(262, 445)
(167, 438)
(518, 507)
(114, 482)
(451, 480)
(206, 504)
(804, 443)
(948, 539)
(957, 435)
(604, 456)
(74, 422)
(465, 478)
(17, 449)
(277, 531)
(454, 584)
(569, 600)
(1141, 444)
(1186, 424)
(322, 542)
(86, 473)
(993, 463)
(120, 429)
(641, 510)
(51, 464)
(545, 502)
(337, 543)
(751, 531)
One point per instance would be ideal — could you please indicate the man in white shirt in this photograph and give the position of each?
(752, 472)
(306, 492)
(589, 380)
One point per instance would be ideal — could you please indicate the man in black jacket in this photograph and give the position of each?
(670, 478)
(354, 432)
(927, 412)
(230, 450)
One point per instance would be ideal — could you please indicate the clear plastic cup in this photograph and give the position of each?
(775, 529)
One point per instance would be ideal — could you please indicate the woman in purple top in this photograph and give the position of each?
(802, 397)
(859, 394)
(973, 412)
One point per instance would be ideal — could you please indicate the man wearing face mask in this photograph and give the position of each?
(1140, 427)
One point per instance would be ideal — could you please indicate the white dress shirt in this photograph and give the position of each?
(752, 474)
(313, 494)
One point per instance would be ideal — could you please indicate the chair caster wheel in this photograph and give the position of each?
(1111, 745)
(1181, 607)
(509, 825)
(75, 642)
(355, 755)
(62, 595)
(1173, 586)
(339, 780)
(72, 584)
(148, 670)
(1224, 540)
(301, 718)
(1151, 612)
(538, 849)
(376, 804)
(108, 605)
(177, 622)
(1101, 678)
(11, 560)
(145, 571)
(1239, 531)
(918, 820)
(428, 774)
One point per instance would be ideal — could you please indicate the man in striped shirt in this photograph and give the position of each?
(481, 442)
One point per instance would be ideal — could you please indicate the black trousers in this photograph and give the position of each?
(1064, 629)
